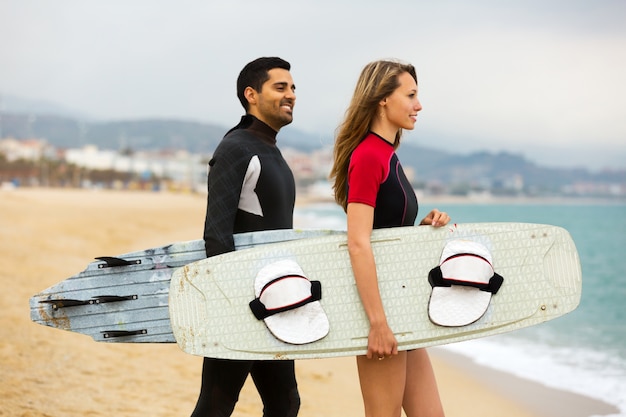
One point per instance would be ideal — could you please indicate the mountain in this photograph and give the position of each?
(133, 134)
(193, 136)
(500, 170)
(13, 104)
(479, 170)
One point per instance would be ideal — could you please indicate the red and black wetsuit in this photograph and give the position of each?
(251, 188)
(376, 178)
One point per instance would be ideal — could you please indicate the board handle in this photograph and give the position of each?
(108, 334)
(111, 262)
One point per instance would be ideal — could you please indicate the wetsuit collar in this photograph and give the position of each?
(379, 137)
(260, 129)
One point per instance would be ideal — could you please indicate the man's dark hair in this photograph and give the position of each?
(255, 73)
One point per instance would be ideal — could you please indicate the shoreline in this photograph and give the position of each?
(304, 200)
(540, 399)
(48, 235)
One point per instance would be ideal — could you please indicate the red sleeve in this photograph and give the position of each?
(365, 174)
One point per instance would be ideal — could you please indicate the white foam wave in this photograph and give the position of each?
(579, 370)
(319, 216)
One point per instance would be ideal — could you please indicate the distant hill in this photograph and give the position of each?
(133, 134)
(496, 170)
(67, 132)
(20, 105)
(430, 165)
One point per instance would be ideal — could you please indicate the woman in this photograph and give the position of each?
(371, 187)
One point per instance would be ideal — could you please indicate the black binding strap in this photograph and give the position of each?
(436, 279)
(260, 312)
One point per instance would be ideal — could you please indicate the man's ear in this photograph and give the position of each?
(250, 94)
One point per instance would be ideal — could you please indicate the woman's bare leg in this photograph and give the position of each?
(382, 384)
(421, 395)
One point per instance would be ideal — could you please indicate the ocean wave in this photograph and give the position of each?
(583, 371)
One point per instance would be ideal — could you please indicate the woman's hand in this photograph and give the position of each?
(436, 218)
(381, 342)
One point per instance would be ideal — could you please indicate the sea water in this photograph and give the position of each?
(584, 351)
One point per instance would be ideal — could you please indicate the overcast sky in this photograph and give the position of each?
(546, 78)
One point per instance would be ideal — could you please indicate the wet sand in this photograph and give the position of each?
(49, 235)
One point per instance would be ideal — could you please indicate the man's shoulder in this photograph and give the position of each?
(235, 141)
(242, 140)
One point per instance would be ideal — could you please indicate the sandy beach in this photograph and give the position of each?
(49, 235)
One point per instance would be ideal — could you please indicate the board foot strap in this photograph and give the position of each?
(262, 312)
(436, 279)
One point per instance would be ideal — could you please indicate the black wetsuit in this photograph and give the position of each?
(251, 188)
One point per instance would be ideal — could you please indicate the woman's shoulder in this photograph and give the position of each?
(373, 147)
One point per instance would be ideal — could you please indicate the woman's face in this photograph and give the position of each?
(402, 105)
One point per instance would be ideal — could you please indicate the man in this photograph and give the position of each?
(251, 188)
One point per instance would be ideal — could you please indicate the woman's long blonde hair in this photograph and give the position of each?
(377, 81)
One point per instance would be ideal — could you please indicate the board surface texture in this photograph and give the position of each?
(209, 299)
(125, 298)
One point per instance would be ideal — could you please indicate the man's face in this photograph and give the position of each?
(274, 103)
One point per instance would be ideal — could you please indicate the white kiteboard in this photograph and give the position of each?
(124, 298)
(298, 300)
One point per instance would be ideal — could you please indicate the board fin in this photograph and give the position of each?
(108, 334)
(111, 261)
